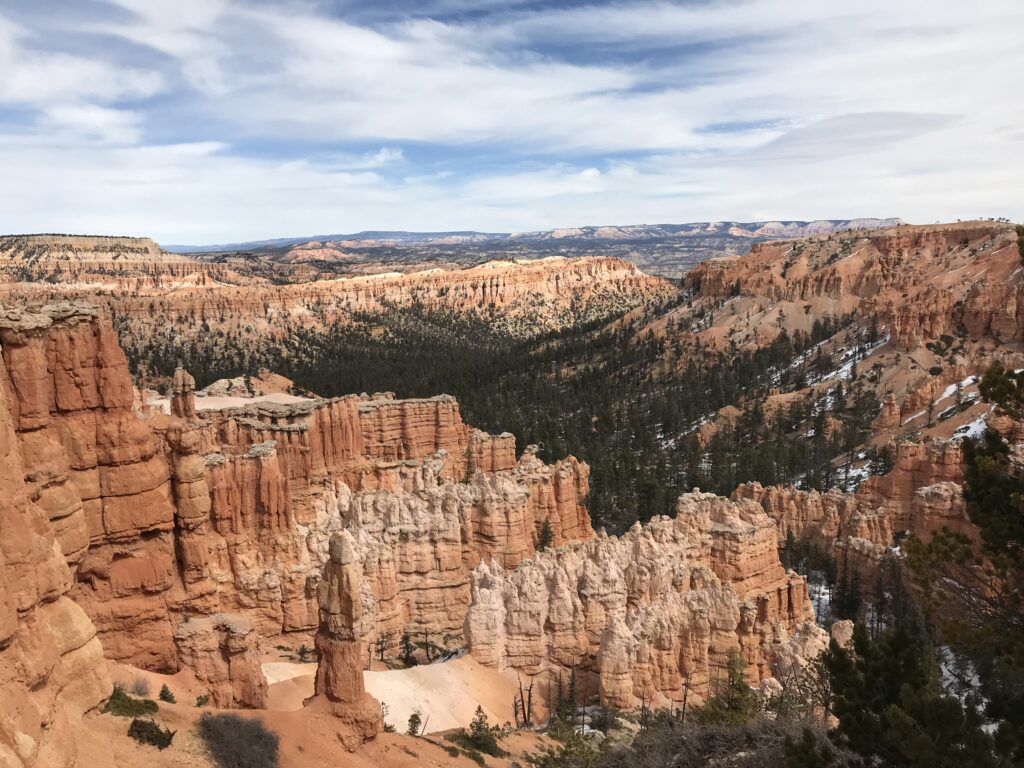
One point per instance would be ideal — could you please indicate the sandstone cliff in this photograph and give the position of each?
(649, 616)
(103, 263)
(920, 281)
(51, 663)
(921, 495)
(180, 532)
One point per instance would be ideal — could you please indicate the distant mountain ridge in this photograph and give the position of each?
(626, 233)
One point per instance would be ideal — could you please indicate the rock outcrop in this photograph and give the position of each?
(649, 616)
(103, 263)
(51, 663)
(342, 641)
(921, 282)
(224, 517)
(921, 495)
(222, 652)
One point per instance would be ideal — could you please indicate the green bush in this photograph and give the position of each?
(202, 701)
(148, 732)
(736, 702)
(238, 742)
(482, 736)
(123, 705)
(415, 721)
(166, 695)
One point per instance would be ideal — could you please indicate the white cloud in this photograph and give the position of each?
(40, 78)
(89, 121)
(734, 109)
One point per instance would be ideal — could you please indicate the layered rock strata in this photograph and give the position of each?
(920, 282)
(921, 495)
(649, 616)
(342, 639)
(51, 663)
(228, 513)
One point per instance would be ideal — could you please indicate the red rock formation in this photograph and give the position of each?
(215, 512)
(51, 664)
(919, 282)
(341, 642)
(223, 653)
(650, 614)
(126, 263)
(921, 495)
(97, 471)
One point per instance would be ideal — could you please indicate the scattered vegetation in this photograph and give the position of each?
(238, 742)
(166, 695)
(202, 700)
(415, 723)
(148, 732)
(736, 702)
(123, 705)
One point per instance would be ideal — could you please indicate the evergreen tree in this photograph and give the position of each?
(546, 536)
(892, 709)
(736, 702)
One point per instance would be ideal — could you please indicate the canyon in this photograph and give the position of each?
(191, 530)
(192, 538)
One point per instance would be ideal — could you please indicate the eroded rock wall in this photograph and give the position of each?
(649, 616)
(51, 663)
(210, 513)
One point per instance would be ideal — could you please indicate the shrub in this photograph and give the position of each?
(202, 701)
(481, 735)
(138, 686)
(546, 536)
(148, 732)
(414, 724)
(166, 695)
(605, 720)
(737, 701)
(238, 742)
(123, 705)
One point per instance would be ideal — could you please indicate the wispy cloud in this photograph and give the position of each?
(242, 118)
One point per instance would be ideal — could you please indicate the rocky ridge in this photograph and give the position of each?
(184, 540)
(922, 282)
(648, 617)
(101, 263)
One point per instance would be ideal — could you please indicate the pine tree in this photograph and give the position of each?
(737, 702)
(415, 721)
(892, 709)
(546, 536)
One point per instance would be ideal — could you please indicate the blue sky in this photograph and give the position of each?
(200, 121)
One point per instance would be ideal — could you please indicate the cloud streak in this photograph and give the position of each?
(216, 120)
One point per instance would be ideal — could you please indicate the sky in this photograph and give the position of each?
(211, 121)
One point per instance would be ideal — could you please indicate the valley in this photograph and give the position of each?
(212, 475)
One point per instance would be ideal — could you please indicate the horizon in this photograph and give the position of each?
(225, 121)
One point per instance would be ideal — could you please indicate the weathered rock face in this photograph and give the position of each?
(648, 615)
(97, 471)
(204, 513)
(341, 642)
(222, 651)
(921, 495)
(921, 282)
(50, 660)
(127, 263)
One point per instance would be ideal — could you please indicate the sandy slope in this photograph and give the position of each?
(446, 694)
